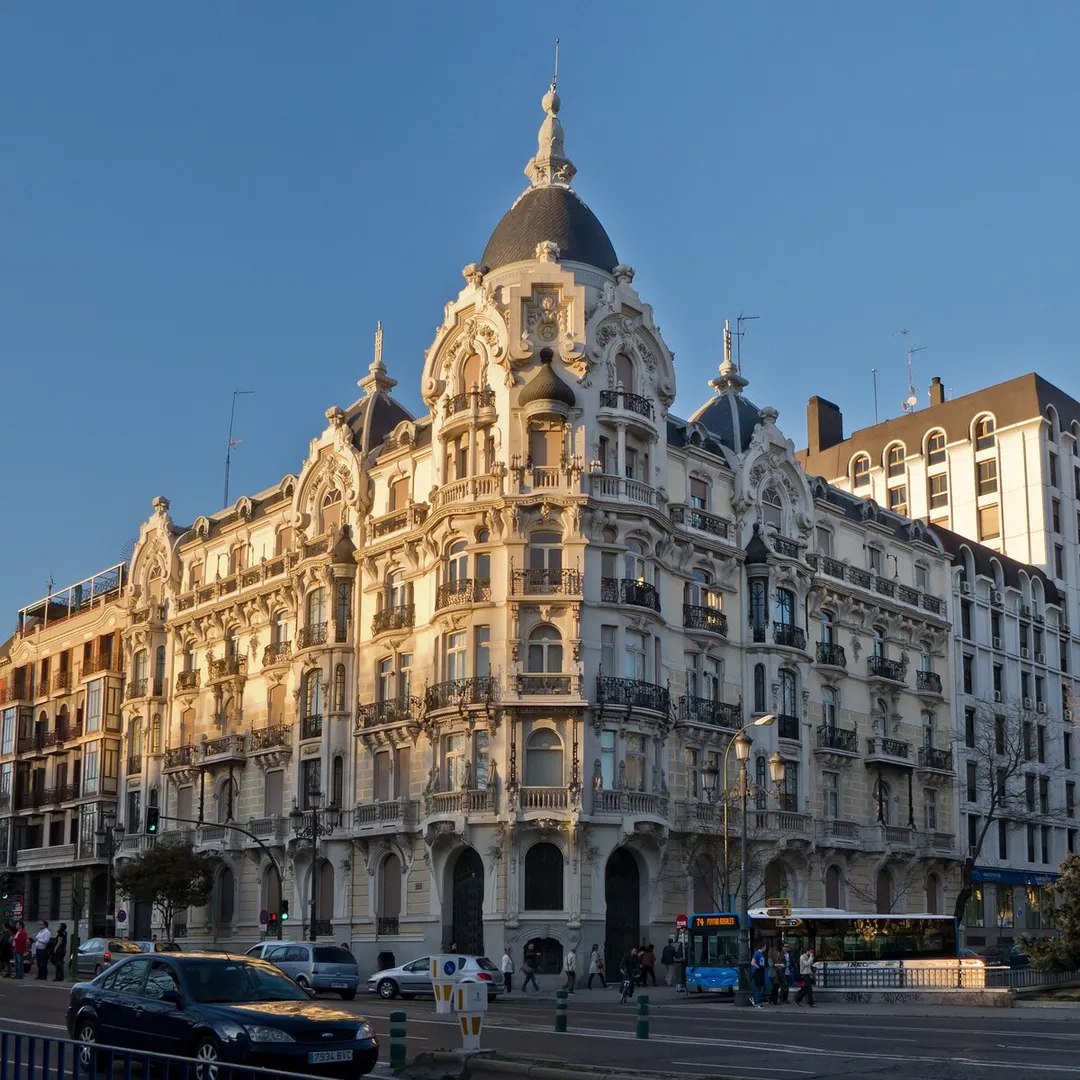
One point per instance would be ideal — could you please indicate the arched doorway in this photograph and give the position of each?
(101, 919)
(933, 893)
(622, 897)
(223, 901)
(883, 892)
(543, 878)
(271, 893)
(467, 917)
(324, 899)
(832, 887)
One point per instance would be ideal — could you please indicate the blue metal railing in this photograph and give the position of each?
(36, 1057)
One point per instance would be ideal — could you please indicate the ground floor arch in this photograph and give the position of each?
(622, 901)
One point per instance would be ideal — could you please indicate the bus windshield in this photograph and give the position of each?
(711, 948)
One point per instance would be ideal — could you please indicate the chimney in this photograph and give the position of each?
(824, 424)
(937, 392)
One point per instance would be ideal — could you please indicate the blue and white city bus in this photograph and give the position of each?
(850, 937)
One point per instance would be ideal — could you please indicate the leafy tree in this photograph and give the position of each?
(170, 876)
(1060, 953)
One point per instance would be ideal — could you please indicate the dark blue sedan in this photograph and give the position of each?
(218, 1008)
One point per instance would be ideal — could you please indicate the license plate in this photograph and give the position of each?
(317, 1057)
(339, 986)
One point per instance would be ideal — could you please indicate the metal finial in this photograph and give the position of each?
(555, 74)
(378, 343)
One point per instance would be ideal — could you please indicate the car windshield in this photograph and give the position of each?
(331, 954)
(484, 964)
(228, 982)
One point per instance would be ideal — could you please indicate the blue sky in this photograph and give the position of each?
(199, 197)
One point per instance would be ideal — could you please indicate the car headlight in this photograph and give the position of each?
(260, 1034)
(366, 1031)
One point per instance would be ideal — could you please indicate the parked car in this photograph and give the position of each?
(217, 1008)
(159, 946)
(97, 953)
(970, 954)
(314, 967)
(1006, 956)
(414, 978)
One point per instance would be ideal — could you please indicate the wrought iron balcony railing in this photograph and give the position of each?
(136, 688)
(532, 682)
(830, 654)
(389, 711)
(464, 591)
(277, 652)
(878, 746)
(932, 758)
(311, 726)
(928, 681)
(787, 634)
(834, 738)
(633, 693)
(400, 617)
(629, 591)
(177, 757)
(623, 399)
(472, 399)
(480, 690)
(539, 582)
(698, 617)
(187, 680)
(699, 710)
(881, 668)
(268, 738)
(786, 547)
(692, 518)
(227, 667)
(312, 635)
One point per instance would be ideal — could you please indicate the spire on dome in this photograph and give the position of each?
(377, 381)
(551, 165)
(729, 377)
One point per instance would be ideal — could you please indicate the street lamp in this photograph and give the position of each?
(109, 836)
(312, 832)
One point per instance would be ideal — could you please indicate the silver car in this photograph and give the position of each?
(414, 978)
(97, 953)
(314, 967)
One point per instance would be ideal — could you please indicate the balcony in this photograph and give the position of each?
(787, 727)
(136, 842)
(469, 489)
(880, 835)
(311, 726)
(271, 738)
(388, 815)
(883, 751)
(181, 757)
(831, 655)
(693, 815)
(648, 803)
(695, 617)
(387, 926)
(34, 743)
(465, 591)
(97, 663)
(710, 713)
(690, 517)
(228, 667)
(793, 637)
(136, 688)
(460, 693)
(396, 520)
(225, 747)
(400, 617)
(835, 833)
(878, 667)
(939, 843)
(928, 682)
(538, 582)
(624, 401)
(277, 652)
(932, 758)
(471, 402)
(60, 682)
(837, 740)
(312, 635)
(633, 694)
(785, 547)
(543, 798)
(545, 683)
(398, 710)
(217, 836)
(621, 489)
(134, 764)
(45, 858)
(786, 823)
(187, 680)
(472, 801)
(629, 591)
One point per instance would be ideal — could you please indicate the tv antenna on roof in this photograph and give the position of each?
(739, 331)
(231, 441)
(912, 399)
(555, 74)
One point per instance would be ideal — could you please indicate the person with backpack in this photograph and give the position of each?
(528, 969)
(629, 974)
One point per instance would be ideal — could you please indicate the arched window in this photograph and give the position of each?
(279, 630)
(624, 372)
(316, 609)
(159, 671)
(224, 899)
(883, 798)
(544, 759)
(785, 607)
(389, 894)
(894, 460)
(470, 374)
(883, 892)
(337, 781)
(984, 433)
(313, 694)
(544, 878)
(634, 561)
(928, 728)
(935, 448)
(879, 642)
(698, 592)
(339, 688)
(231, 647)
(155, 585)
(926, 658)
(758, 613)
(138, 672)
(545, 650)
(456, 569)
(759, 689)
(860, 471)
(342, 610)
(933, 894)
(829, 704)
(828, 631)
(324, 908)
(331, 511)
(395, 591)
(135, 740)
(772, 509)
(789, 693)
(832, 887)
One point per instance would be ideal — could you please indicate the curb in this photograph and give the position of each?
(487, 1062)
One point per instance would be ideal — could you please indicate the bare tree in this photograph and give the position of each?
(1007, 745)
(709, 866)
(902, 881)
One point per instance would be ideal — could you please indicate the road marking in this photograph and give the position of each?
(744, 1068)
(33, 1024)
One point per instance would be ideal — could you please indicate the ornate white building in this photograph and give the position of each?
(506, 643)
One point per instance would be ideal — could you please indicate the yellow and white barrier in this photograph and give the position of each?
(445, 971)
(470, 1003)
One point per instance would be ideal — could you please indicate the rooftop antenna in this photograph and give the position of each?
(912, 399)
(232, 442)
(873, 373)
(739, 331)
(555, 74)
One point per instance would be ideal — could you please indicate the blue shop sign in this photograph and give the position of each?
(1012, 877)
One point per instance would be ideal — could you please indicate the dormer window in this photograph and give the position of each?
(772, 509)
(935, 448)
(331, 511)
(860, 472)
(894, 461)
(984, 433)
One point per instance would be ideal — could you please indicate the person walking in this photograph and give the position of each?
(596, 967)
(508, 970)
(529, 971)
(41, 949)
(790, 973)
(7, 950)
(21, 945)
(59, 951)
(757, 978)
(776, 971)
(806, 970)
(680, 966)
(648, 965)
(570, 969)
(667, 958)
(629, 974)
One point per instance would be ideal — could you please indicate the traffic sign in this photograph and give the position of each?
(778, 912)
(121, 916)
(681, 922)
(778, 901)
(788, 923)
(264, 915)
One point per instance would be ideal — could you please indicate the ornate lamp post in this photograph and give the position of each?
(109, 836)
(303, 831)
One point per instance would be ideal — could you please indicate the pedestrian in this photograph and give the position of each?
(528, 969)
(790, 973)
(21, 945)
(806, 969)
(596, 966)
(453, 946)
(7, 950)
(508, 970)
(570, 969)
(629, 974)
(648, 965)
(680, 966)
(757, 977)
(59, 952)
(667, 958)
(776, 984)
(41, 949)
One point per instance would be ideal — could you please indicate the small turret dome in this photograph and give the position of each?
(546, 389)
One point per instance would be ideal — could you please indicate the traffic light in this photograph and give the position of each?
(271, 925)
(153, 814)
(284, 910)
(6, 887)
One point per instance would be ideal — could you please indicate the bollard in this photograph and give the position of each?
(642, 1016)
(562, 997)
(397, 1042)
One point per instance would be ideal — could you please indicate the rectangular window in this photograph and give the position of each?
(831, 793)
(986, 477)
(1053, 470)
(404, 674)
(1003, 840)
(7, 738)
(455, 655)
(975, 914)
(969, 728)
(635, 762)
(1055, 515)
(403, 767)
(1040, 744)
(454, 748)
(1002, 783)
(875, 559)
(930, 809)
(699, 494)
(1026, 733)
(607, 650)
(998, 674)
(399, 493)
(1029, 792)
(93, 706)
(380, 772)
(973, 830)
(1031, 843)
(939, 490)
(634, 656)
(607, 759)
(969, 674)
(1059, 561)
(1005, 909)
(1067, 749)
(972, 782)
(275, 710)
(824, 541)
(310, 781)
(989, 522)
(965, 621)
(274, 793)
(482, 658)
(481, 760)
(898, 499)
(693, 772)
(1044, 795)
(1070, 841)
(1044, 843)
(91, 761)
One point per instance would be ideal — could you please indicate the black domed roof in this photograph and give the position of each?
(731, 418)
(547, 386)
(552, 213)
